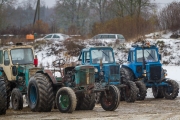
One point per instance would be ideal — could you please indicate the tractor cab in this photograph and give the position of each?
(102, 58)
(14, 56)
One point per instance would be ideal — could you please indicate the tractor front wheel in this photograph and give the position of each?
(157, 92)
(142, 90)
(66, 100)
(3, 97)
(171, 91)
(16, 99)
(110, 99)
(40, 93)
(130, 91)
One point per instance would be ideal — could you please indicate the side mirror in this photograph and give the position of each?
(159, 56)
(14, 70)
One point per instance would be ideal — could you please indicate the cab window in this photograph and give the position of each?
(86, 57)
(6, 58)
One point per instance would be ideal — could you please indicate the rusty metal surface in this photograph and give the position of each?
(49, 72)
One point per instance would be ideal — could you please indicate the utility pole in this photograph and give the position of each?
(37, 12)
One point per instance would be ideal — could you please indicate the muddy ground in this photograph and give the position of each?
(149, 109)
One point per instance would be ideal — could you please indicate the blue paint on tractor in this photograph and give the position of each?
(144, 63)
(33, 94)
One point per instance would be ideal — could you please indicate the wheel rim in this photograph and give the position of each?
(33, 94)
(109, 99)
(64, 101)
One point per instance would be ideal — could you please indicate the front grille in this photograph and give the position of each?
(86, 76)
(114, 70)
(155, 73)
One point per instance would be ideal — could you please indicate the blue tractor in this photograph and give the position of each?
(107, 72)
(145, 69)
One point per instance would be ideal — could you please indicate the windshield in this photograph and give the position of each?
(150, 55)
(22, 56)
(105, 55)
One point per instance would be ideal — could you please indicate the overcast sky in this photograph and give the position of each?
(51, 3)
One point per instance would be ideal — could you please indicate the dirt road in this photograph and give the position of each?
(149, 109)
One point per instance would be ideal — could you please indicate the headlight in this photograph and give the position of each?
(95, 70)
(144, 73)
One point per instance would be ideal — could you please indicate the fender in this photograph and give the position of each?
(50, 75)
(126, 66)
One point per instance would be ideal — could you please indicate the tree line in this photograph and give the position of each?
(132, 18)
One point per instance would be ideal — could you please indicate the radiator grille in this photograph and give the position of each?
(155, 73)
(114, 70)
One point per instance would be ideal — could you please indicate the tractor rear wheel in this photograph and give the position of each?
(142, 90)
(126, 75)
(16, 99)
(88, 102)
(157, 92)
(3, 97)
(111, 99)
(171, 91)
(130, 91)
(8, 89)
(66, 100)
(40, 93)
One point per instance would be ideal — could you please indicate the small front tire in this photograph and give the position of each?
(142, 90)
(157, 92)
(66, 100)
(17, 99)
(111, 99)
(171, 91)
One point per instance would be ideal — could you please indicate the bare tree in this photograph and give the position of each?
(169, 17)
(72, 13)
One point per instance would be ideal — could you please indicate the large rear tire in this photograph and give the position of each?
(157, 92)
(16, 99)
(40, 93)
(126, 75)
(142, 90)
(66, 100)
(3, 97)
(111, 99)
(8, 89)
(88, 102)
(129, 93)
(171, 91)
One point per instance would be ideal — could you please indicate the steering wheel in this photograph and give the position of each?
(58, 62)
